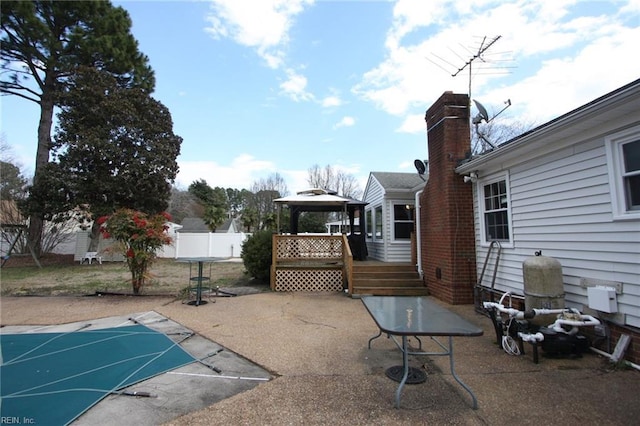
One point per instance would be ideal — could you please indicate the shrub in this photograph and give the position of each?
(256, 255)
(139, 236)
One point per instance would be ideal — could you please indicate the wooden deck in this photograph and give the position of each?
(325, 263)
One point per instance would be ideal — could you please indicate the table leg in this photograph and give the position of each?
(455, 376)
(405, 366)
(375, 337)
(199, 286)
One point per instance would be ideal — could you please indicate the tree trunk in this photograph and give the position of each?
(42, 158)
(94, 236)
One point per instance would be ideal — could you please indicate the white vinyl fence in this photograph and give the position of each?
(184, 245)
(210, 244)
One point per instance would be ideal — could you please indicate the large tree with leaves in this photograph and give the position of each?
(215, 202)
(114, 148)
(43, 44)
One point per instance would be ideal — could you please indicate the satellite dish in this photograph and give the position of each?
(482, 113)
(420, 167)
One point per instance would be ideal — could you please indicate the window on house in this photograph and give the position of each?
(496, 211)
(631, 174)
(369, 224)
(623, 155)
(378, 223)
(403, 216)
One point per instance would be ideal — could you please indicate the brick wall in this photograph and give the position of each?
(446, 213)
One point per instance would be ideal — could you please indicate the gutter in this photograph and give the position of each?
(418, 238)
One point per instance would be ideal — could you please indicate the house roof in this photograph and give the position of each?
(399, 182)
(193, 224)
(229, 225)
(589, 118)
(9, 213)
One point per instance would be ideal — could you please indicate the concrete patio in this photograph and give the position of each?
(314, 346)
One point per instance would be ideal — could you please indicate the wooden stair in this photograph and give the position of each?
(387, 279)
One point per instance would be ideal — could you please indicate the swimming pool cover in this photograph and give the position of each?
(52, 378)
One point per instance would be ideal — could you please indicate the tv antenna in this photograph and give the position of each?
(484, 46)
(490, 65)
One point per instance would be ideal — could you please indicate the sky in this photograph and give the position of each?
(257, 87)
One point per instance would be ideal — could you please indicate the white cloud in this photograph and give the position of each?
(263, 25)
(413, 124)
(241, 173)
(295, 87)
(331, 101)
(345, 122)
(561, 54)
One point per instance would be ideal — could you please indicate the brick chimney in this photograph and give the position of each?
(446, 204)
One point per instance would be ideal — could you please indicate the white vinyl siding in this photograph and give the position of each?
(561, 204)
(386, 249)
(374, 196)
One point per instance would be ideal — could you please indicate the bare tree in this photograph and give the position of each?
(183, 204)
(274, 182)
(264, 191)
(486, 136)
(330, 178)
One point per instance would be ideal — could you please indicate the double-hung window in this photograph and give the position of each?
(403, 216)
(623, 159)
(378, 223)
(494, 200)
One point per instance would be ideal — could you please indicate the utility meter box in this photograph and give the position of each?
(602, 299)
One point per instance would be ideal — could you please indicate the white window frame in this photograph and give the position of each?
(393, 220)
(615, 163)
(378, 221)
(481, 208)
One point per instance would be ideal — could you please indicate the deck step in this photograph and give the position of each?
(387, 279)
(408, 275)
(390, 291)
(389, 282)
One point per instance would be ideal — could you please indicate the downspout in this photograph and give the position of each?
(418, 238)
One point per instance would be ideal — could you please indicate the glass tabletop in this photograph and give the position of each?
(200, 259)
(416, 316)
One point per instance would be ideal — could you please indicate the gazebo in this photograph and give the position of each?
(322, 200)
(316, 262)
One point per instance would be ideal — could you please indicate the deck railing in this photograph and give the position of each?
(310, 263)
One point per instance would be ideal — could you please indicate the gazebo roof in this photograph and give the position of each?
(319, 200)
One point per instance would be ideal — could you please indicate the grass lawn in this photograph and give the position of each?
(61, 276)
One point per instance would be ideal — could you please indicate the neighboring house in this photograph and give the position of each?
(106, 248)
(9, 215)
(110, 253)
(390, 214)
(340, 226)
(193, 225)
(570, 188)
(230, 225)
(196, 225)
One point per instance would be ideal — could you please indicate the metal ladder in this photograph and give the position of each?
(479, 288)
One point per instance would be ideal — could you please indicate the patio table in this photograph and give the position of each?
(406, 316)
(200, 261)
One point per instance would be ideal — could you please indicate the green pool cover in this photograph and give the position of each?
(52, 378)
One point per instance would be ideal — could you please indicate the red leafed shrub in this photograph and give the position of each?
(139, 236)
